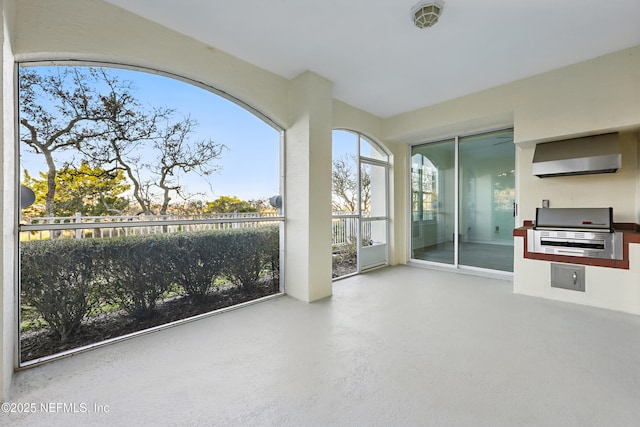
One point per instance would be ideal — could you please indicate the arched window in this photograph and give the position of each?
(360, 203)
(150, 204)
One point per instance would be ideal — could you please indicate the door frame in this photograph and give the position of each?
(357, 216)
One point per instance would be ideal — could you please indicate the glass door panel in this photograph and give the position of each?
(433, 202)
(373, 249)
(487, 197)
(359, 199)
(373, 190)
(373, 212)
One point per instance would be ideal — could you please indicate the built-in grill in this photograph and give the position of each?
(582, 232)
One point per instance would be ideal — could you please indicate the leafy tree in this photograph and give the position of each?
(227, 204)
(91, 191)
(91, 111)
(58, 111)
(261, 205)
(189, 207)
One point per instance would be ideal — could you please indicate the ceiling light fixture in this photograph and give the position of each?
(426, 12)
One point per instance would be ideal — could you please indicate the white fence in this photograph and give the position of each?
(344, 229)
(82, 227)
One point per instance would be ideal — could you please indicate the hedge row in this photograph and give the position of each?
(65, 279)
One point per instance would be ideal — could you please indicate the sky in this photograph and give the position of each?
(250, 166)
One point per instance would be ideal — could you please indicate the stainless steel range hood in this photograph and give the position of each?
(578, 156)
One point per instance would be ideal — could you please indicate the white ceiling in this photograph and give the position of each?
(380, 62)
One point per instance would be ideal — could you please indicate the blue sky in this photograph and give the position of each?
(250, 165)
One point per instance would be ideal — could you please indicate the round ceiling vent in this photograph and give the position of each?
(426, 13)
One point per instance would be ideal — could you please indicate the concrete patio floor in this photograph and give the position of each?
(396, 346)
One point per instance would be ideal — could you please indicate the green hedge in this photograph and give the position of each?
(63, 279)
(135, 271)
(58, 280)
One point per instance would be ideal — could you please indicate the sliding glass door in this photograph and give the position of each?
(463, 199)
(433, 198)
(487, 200)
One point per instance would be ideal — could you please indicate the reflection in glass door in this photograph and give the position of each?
(463, 195)
(433, 202)
(487, 198)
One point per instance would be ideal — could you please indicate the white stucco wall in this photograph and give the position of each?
(611, 288)
(617, 190)
(308, 189)
(589, 97)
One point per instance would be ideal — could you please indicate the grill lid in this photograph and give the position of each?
(575, 218)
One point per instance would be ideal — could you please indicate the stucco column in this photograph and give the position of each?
(308, 189)
(400, 205)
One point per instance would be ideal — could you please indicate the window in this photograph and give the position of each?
(360, 205)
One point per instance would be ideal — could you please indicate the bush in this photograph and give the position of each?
(272, 252)
(65, 278)
(57, 277)
(196, 260)
(136, 271)
(248, 253)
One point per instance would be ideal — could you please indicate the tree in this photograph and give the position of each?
(177, 156)
(345, 185)
(95, 113)
(228, 204)
(134, 133)
(58, 111)
(89, 190)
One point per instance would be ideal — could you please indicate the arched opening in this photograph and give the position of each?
(151, 205)
(359, 203)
